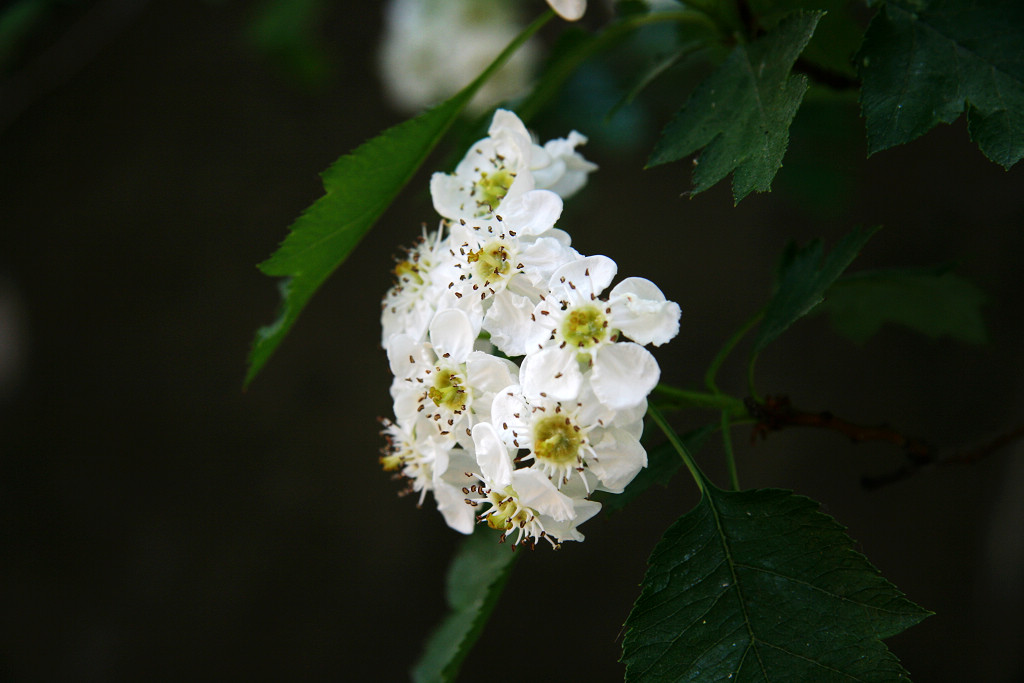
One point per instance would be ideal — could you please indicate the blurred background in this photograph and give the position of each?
(159, 523)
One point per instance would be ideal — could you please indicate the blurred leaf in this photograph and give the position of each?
(285, 30)
(741, 114)
(476, 577)
(922, 62)
(358, 188)
(761, 586)
(662, 464)
(934, 302)
(801, 280)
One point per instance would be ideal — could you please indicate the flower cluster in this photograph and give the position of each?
(520, 383)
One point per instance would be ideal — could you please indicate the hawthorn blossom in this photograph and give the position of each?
(566, 438)
(431, 49)
(575, 332)
(429, 462)
(410, 304)
(446, 380)
(495, 168)
(530, 506)
(558, 167)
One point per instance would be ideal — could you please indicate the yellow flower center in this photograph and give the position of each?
(585, 327)
(506, 513)
(447, 390)
(406, 271)
(492, 261)
(556, 440)
(492, 188)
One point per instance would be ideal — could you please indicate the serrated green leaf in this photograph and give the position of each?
(358, 188)
(741, 114)
(476, 577)
(836, 38)
(762, 586)
(802, 278)
(662, 464)
(922, 63)
(934, 302)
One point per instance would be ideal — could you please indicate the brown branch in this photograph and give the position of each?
(777, 413)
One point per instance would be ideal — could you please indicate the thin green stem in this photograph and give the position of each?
(684, 398)
(750, 379)
(723, 353)
(730, 457)
(560, 71)
(673, 438)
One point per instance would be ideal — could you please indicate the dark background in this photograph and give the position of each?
(160, 524)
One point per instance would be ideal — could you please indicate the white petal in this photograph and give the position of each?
(508, 322)
(452, 335)
(640, 311)
(617, 458)
(623, 374)
(451, 502)
(404, 353)
(567, 531)
(582, 280)
(492, 455)
(510, 415)
(544, 256)
(551, 373)
(531, 213)
(536, 491)
(486, 375)
(570, 10)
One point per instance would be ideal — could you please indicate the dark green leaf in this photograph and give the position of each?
(476, 577)
(802, 278)
(935, 302)
(358, 188)
(761, 586)
(921, 63)
(741, 114)
(662, 464)
(836, 38)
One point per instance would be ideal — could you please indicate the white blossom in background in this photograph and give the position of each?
(431, 49)
(519, 386)
(570, 10)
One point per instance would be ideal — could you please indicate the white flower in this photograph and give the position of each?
(430, 462)
(561, 438)
(573, 327)
(431, 49)
(446, 380)
(410, 304)
(495, 169)
(531, 507)
(558, 167)
(570, 10)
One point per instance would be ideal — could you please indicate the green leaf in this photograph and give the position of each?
(934, 302)
(921, 63)
(358, 188)
(741, 114)
(761, 586)
(476, 577)
(662, 464)
(836, 38)
(802, 278)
